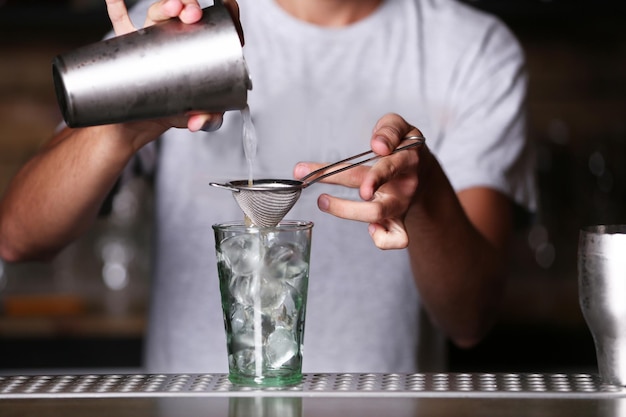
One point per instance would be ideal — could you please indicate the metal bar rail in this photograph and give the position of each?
(420, 385)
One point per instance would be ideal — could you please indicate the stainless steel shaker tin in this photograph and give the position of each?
(602, 296)
(167, 69)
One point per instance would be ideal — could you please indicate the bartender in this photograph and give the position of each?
(424, 230)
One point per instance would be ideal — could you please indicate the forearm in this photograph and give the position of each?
(56, 195)
(458, 269)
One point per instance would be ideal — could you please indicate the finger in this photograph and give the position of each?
(386, 232)
(363, 211)
(390, 235)
(207, 122)
(188, 11)
(388, 168)
(118, 14)
(191, 13)
(163, 10)
(350, 178)
(389, 132)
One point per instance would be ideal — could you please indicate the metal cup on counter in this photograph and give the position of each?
(602, 296)
(167, 69)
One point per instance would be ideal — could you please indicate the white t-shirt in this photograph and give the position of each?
(450, 70)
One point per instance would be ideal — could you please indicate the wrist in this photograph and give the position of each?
(139, 133)
(112, 146)
(434, 195)
(429, 172)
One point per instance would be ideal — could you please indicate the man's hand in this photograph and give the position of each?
(387, 188)
(188, 11)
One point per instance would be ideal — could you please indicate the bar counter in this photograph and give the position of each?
(319, 395)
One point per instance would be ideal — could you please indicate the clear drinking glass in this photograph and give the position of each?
(602, 296)
(264, 275)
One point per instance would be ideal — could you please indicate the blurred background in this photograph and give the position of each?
(86, 310)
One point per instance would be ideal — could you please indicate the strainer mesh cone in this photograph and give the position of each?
(266, 202)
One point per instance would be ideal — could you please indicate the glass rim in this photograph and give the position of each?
(283, 225)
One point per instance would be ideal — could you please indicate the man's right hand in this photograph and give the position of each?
(56, 196)
(188, 11)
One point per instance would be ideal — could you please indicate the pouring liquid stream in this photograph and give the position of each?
(249, 148)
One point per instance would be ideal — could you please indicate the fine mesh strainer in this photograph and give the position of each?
(267, 201)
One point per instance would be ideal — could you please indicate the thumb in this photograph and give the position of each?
(390, 235)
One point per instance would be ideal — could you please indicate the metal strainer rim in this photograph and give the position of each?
(266, 185)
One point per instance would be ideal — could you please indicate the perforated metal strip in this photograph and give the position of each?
(416, 385)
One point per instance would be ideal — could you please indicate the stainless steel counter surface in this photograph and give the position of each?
(319, 395)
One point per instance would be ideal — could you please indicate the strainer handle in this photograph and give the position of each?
(419, 140)
(224, 186)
